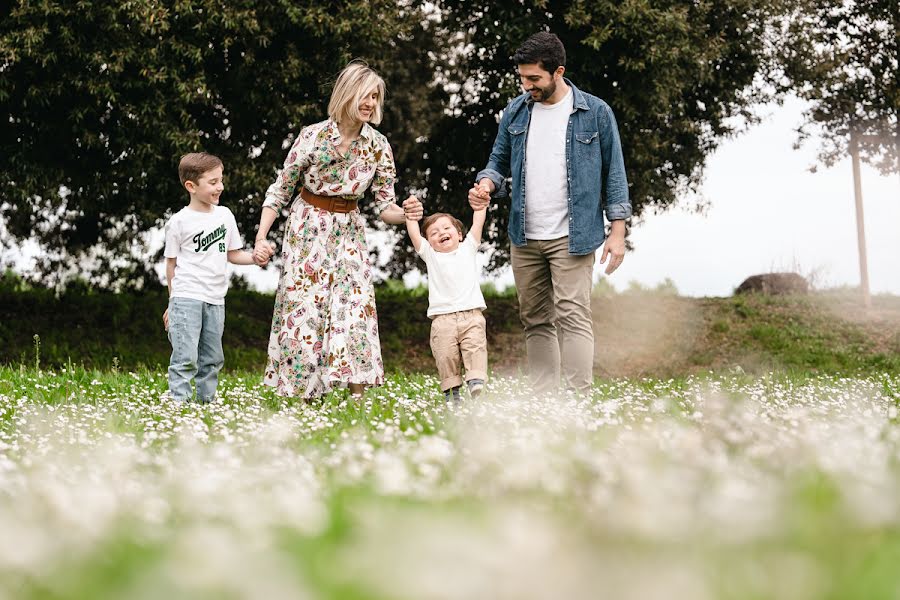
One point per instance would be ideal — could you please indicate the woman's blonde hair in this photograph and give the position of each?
(355, 81)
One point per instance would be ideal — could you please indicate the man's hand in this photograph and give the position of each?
(262, 252)
(614, 247)
(480, 194)
(166, 319)
(412, 209)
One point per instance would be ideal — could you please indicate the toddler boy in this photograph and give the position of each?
(455, 301)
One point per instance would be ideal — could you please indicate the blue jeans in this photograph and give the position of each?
(195, 330)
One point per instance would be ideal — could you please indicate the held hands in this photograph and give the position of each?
(263, 252)
(412, 209)
(480, 194)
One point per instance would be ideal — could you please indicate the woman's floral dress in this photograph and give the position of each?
(324, 326)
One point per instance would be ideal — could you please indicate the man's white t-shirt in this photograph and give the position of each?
(452, 278)
(546, 185)
(200, 241)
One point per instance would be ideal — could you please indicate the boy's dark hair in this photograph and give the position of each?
(193, 165)
(543, 49)
(430, 219)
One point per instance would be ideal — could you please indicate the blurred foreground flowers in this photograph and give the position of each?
(708, 487)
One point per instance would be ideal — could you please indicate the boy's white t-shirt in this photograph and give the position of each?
(452, 278)
(546, 181)
(200, 242)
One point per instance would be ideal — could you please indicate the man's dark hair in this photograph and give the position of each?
(543, 49)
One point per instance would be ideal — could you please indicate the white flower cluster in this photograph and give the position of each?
(704, 487)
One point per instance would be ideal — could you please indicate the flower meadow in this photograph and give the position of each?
(713, 486)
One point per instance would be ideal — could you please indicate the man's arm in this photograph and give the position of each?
(498, 165)
(615, 188)
(615, 183)
(491, 181)
(478, 225)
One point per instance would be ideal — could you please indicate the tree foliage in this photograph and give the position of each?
(842, 56)
(680, 75)
(98, 100)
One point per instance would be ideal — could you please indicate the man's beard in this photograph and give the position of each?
(545, 92)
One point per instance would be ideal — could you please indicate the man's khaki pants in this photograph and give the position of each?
(459, 339)
(554, 290)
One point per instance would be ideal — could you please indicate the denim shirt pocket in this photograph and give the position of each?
(586, 137)
(587, 150)
(515, 134)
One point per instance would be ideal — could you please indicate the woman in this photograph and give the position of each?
(325, 327)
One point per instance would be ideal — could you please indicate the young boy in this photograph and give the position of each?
(201, 239)
(455, 301)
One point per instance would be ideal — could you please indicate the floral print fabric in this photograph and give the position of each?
(325, 326)
(314, 157)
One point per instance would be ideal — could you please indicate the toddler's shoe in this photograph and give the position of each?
(476, 386)
(454, 397)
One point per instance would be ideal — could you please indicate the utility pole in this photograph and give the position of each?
(860, 223)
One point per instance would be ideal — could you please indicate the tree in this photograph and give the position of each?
(842, 56)
(98, 100)
(680, 75)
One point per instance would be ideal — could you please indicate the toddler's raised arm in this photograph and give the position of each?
(478, 224)
(412, 205)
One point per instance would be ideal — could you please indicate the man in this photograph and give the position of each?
(570, 143)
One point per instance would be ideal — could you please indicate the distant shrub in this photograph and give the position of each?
(490, 290)
(603, 289)
(666, 288)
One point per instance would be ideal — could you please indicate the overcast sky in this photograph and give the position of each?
(769, 213)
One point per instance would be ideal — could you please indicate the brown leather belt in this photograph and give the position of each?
(337, 204)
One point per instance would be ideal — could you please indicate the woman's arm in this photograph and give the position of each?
(393, 215)
(261, 247)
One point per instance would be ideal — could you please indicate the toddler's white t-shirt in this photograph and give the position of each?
(452, 278)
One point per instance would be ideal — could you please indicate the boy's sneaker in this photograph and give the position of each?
(476, 386)
(454, 397)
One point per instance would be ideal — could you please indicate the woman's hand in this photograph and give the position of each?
(412, 209)
(263, 251)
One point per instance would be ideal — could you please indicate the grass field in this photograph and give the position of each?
(641, 333)
(712, 486)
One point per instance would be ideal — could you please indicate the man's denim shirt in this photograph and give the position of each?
(595, 169)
